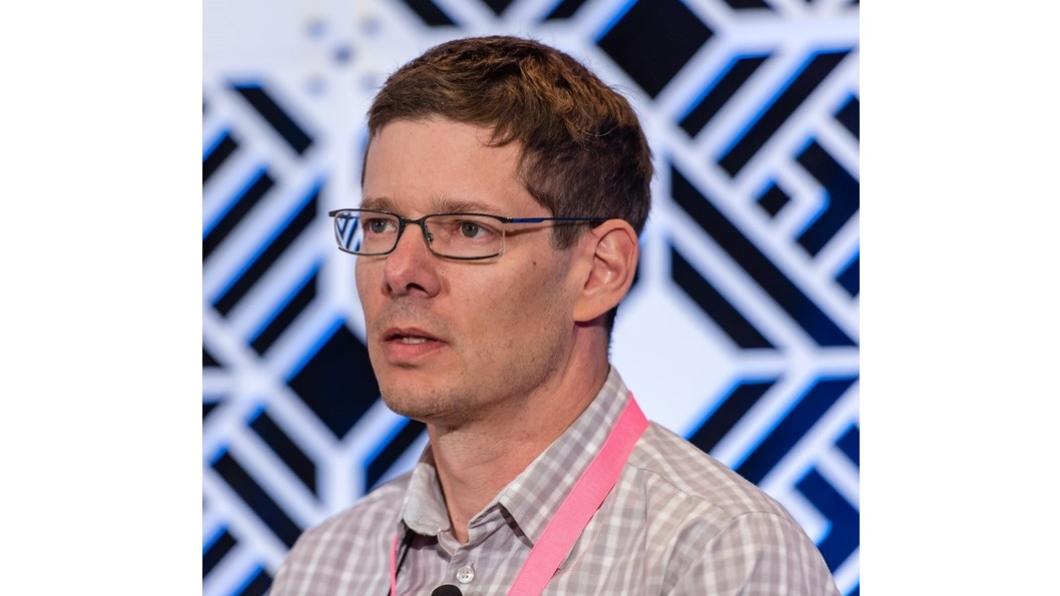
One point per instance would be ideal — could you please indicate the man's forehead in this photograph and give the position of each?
(430, 127)
(438, 165)
(436, 123)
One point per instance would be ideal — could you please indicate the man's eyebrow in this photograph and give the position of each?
(379, 203)
(452, 205)
(438, 205)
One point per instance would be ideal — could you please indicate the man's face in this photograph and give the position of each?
(496, 329)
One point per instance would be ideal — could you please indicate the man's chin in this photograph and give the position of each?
(427, 405)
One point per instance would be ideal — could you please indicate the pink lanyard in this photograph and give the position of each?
(577, 509)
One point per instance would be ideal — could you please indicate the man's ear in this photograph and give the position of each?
(614, 252)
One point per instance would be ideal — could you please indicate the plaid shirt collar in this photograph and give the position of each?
(529, 501)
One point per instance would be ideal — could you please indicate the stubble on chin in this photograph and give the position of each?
(430, 405)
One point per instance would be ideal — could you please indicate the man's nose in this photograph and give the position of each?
(411, 268)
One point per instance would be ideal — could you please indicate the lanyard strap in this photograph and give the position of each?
(577, 508)
(393, 565)
(581, 503)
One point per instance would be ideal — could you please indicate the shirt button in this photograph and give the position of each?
(465, 574)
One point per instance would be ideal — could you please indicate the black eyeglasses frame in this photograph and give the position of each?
(403, 222)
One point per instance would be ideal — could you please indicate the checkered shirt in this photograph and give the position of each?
(678, 522)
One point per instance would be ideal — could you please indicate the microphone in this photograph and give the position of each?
(447, 590)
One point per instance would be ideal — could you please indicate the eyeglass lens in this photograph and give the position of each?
(452, 235)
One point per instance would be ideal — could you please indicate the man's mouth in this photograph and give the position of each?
(408, 335)
(409, 345)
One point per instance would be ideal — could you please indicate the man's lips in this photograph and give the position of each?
(407, 334)
(409, 345)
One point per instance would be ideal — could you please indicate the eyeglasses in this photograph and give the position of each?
(464, 236)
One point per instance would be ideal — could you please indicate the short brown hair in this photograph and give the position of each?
(584, 153)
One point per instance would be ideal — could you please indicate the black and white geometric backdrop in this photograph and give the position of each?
(741, 332)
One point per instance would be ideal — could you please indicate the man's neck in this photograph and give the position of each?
(475, 461)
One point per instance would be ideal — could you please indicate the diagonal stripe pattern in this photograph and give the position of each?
(741, 330)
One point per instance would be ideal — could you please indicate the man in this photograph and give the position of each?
(503, 191)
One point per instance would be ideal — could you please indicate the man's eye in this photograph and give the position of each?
(376, 226)
(470, 229)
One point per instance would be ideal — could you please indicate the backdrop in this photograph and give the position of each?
(741, 332)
